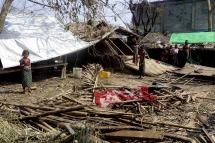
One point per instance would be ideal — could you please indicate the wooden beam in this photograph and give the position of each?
(179, 137)
(208, 136)
(110, 47)
(168, 124)
(29, 106)
(51, 65)
(127, 46)
(130, 134)
(115, 46)
(52, 112)
(18, 69)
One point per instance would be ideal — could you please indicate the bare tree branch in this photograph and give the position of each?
(42, 4)
(146, 15)
(4, 11)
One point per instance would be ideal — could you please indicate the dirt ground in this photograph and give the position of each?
(52, 86)
(12, 91)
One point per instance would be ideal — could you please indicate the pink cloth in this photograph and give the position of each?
(111, 96)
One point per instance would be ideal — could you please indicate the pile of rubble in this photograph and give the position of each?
(132, 114)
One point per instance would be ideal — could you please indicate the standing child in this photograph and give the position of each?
(25, 64)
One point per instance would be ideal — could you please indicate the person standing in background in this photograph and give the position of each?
(134, 46)
(142, 54)
(174, 52)
(186, 49)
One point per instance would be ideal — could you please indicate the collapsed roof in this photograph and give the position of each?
(42, 35)
(91, 32)
(45, 38)
(154, 38)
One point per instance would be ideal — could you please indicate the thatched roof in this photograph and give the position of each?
(88, 32)
(94, 32)
(154, 38)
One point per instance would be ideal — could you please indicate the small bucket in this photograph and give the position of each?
(104, 74)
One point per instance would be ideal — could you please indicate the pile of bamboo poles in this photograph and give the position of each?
(90, 76)
(184, 79)
(74, 116)
(70, 113)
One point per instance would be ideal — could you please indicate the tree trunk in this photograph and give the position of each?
(4, 12)
(210, 16)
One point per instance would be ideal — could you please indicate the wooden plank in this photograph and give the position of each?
(51, 65)
(208, 98)
(52, 112)
(5, 71)
(208, 136)
(29, 106)
(112, 128)
(63, 72)
(167, 124)
(179, 137)
(147, 135)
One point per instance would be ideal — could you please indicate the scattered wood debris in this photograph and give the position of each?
(75, 117)
(90, 76)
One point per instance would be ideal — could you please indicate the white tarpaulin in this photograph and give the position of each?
(42, 35)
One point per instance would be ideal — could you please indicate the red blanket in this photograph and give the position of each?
(111, 96)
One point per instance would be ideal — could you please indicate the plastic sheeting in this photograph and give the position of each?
(42, 35)
(195, 37)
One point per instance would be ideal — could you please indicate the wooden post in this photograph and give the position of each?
(63, 72)
(210, 16)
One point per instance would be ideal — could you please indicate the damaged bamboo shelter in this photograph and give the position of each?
(95, 112)
(99, 43)
(113, 50)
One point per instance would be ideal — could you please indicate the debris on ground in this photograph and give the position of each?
(152, 67)
(96, 112)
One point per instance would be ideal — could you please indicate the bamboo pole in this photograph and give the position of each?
(52, 112)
